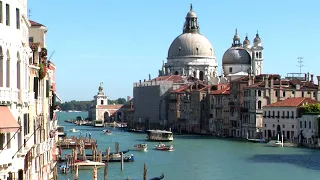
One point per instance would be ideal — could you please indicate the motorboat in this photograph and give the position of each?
(163, 147)
(275, 143)
(140, 147)
(107, 132)
(255, 140)
(64, 168)
(87, 164)
(74, 130)
(159, 135)
(117, 158)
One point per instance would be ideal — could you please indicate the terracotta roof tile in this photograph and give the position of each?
(292, 102)
(111, 106)
(181, 89)
(33, 23)
(224, 91)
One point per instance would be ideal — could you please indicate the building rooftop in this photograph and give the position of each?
(293, 102)
(33, 23)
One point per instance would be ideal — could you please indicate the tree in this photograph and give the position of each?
(311, 108)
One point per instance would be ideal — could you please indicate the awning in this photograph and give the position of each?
(7, 122)
(58, 97)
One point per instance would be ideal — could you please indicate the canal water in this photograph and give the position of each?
(200, 158)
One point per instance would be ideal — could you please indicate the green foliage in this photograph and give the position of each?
(84, 105)
(117, 101)
(311, 108)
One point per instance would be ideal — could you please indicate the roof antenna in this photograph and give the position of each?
(29, 14)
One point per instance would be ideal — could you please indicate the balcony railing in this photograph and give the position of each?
(9, 94)
(31, 98)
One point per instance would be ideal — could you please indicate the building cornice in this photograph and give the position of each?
(25, 19)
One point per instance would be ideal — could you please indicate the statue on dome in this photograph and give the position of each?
(160, 73)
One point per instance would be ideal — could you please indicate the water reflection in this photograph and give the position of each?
(310, 160)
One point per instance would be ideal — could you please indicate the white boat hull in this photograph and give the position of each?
(275, 143)
(140, 148)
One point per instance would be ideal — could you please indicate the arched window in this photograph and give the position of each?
(260, 55)
(230, 69)
(259, 104)
(201, 75)
(8, 69)
(257, 55)
(259, 93)
(176, 73)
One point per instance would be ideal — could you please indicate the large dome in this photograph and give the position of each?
(190, 45)
(236, 55)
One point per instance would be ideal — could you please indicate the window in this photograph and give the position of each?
(1, 17)
(7, 14)
(259, 93)
(259, 104)
(302, 94)
(276, 93)
(292, 126)
(278, 114)
(305, 124)
(8, 140)
(283, 94)
(2, 140)
(31, 39)
(18, 18)
(230, 69)
(283, 126)
(292, 114)
(101, 102)
(309, 124)
(300, 124)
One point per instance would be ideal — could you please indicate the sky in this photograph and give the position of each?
(120, 42)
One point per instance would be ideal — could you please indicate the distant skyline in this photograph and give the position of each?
(120, 42)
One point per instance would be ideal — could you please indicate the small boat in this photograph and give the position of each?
(74, 130)
(255, 140)
(88, 164)
(64, 168)
(117, 158)
(155, 178)
(274, 143)
(107, 131)
(163, 147)
(140, 147)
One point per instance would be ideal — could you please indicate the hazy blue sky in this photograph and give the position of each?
(120, 42)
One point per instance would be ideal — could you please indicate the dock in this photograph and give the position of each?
(77, 142)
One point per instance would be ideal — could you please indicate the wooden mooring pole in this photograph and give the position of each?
(121, 161)
(145, 172)
(106, 164)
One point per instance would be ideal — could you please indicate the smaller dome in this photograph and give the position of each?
(191, 14)
(246, 41)
(257, 39)
(236, 55)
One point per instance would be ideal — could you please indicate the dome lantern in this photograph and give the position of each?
(191, 24)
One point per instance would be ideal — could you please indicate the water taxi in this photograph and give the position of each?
(98, 123)
(159, 135)
(74, 130)
(140, 147)
(163, 147)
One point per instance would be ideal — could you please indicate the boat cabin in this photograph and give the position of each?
(160, 135)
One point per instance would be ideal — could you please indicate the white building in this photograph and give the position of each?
(282, 118)
(191, 54)
(308, 128)
(239, 59)
(14, 94)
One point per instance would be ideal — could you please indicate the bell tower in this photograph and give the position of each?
(257, 55)
(101, 98)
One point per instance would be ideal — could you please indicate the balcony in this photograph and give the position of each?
(31, 98)
(9, 94)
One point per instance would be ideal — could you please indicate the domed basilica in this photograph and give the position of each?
(191, 54)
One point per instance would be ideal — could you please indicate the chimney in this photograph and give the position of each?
(318, 77)
(311, 78)
(305, 77)
(128, 98)
(266, 80)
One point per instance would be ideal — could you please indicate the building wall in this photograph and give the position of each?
(286, 123)
(150, 101)
(308, 126)
(14, 58)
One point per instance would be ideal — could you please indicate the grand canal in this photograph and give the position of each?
(201, 158)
